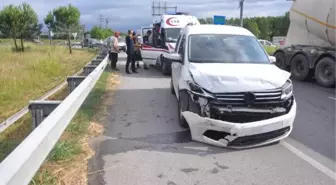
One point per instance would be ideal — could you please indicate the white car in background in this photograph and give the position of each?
(266, 43)
(229, 92)
(121, 43)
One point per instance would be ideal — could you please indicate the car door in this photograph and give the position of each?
(176, 67)
(173, 64)
(147, 52)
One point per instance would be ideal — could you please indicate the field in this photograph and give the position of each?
(29, 75)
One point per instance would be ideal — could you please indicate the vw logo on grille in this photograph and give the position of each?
(249, 98)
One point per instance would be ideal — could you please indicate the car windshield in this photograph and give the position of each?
(223, 48)
(172, 34)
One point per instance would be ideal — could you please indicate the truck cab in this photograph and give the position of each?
(163, 38)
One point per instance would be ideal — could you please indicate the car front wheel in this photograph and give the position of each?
(172, 86)
(182, 122)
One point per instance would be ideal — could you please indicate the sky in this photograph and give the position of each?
(134, 14)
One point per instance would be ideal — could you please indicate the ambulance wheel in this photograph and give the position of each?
(164, 66)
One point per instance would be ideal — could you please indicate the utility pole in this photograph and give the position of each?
(101, 20)
(241, 6)
(106, 23)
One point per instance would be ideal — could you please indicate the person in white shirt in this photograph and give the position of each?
(114, 50)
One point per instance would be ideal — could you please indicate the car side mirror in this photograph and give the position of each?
(272, 59)
(175, 57)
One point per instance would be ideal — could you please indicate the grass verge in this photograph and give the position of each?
(67, 162)
(17, 132)
(270, 50)
(29, 75)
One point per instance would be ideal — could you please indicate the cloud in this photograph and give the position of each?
(126, 14)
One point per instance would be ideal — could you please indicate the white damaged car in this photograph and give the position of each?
(229, 92)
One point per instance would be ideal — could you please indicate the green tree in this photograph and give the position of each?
(49, 21)
(97, 32)
(66, 19)
(251, 25)
(100, 33)
(29, 27)
(262, 27)
(10, 22)
(108, 32)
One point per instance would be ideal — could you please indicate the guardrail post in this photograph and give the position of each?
(88, 69)
(95, 62)
(41, 109)
(74, 81)
(100, 57)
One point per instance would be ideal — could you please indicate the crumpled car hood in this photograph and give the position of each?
(220, 78)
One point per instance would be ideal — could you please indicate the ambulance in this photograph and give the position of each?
(165, 31)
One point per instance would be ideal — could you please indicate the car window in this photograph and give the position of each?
(181, 47)
(178, 40)
(223, 48)
(268, 43)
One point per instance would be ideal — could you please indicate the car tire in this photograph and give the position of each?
(181, 120)
(325, 72)
(172, 86)
(164, 67)
(300, 67)
(280, 60)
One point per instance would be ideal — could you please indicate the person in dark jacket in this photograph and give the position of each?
(136, 51)
(130, 53)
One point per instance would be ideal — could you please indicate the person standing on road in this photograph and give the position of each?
(114, 50)
(146, 40)
(130, 53)
(136, 49)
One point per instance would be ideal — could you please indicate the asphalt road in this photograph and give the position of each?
(144, 145)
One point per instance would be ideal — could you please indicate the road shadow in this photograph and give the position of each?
(145, 119)
(151, 72)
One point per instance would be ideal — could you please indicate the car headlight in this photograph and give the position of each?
(194, 88)
(287, 90)
(197, 90)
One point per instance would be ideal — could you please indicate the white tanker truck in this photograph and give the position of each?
(309, 50)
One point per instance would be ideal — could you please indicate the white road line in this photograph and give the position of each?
(332, 98)
(310, 160)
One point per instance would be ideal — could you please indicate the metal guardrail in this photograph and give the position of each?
(22, 164)
(15, 117)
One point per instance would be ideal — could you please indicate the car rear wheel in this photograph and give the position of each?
(325, 72)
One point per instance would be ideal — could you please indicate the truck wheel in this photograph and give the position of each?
(325, 72)
(280, 60)
(182, 122)
(300, 67)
